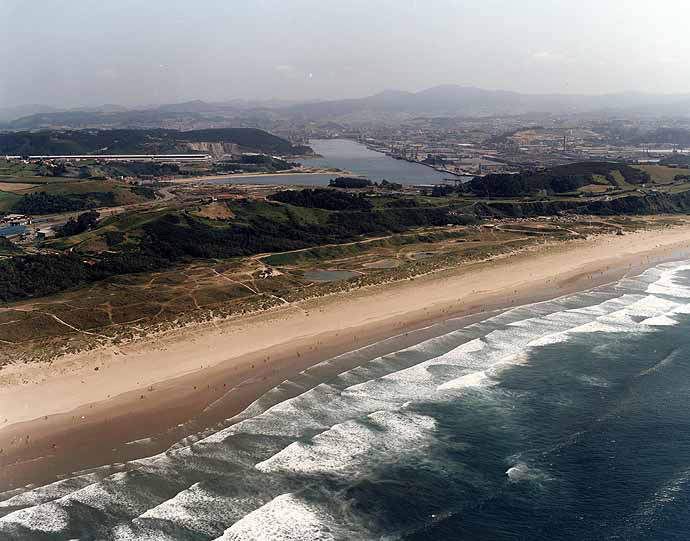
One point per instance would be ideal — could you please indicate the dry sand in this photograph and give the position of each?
(79, 409)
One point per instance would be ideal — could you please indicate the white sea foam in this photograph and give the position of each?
(474, 379)
(48, 518)
(666, 284)
(285, 518)
(549, 339)
(126, 532)
(522, 472)
(660, 321)
(593, 381)
(112, 495)
(501, 346)
(661, 364)
(52, 491)
(651, 304)
(650, 509)
(621, 319)
(307, 407)
(359, 424)
(142, 441)
(349, 446)
(195, 509)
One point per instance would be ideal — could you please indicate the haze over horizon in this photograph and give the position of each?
(85, 53)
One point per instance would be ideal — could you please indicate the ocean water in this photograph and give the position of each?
(566, 419)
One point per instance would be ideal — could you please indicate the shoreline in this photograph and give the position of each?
(437, 169)
(113, 396)
(289, 172)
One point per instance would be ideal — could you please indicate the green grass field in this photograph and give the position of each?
(123, 194)
(593, 188)
(7, 200)
(662, 173)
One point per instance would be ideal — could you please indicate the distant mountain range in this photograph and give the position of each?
(461, 100)
(8, 114)
(448, 100)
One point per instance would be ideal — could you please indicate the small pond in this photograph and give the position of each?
(424, 255)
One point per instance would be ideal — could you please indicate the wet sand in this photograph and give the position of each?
(67, 416)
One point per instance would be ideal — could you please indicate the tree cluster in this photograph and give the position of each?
(393, 186)
(46, 203)
(253, 163)
(84, 222)
(6, 244)
(350, 182)
(560, 179)
(176, 238)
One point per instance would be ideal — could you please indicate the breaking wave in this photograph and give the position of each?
(328, 460)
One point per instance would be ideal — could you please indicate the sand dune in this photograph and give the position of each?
(184, 368)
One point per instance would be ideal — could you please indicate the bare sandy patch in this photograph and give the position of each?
(15, 186)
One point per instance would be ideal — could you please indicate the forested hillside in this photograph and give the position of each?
(139, 243)
(560, 179)
(158, 141)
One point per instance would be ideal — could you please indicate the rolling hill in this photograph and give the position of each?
(158, 141)
(449, 99)
(471, 101)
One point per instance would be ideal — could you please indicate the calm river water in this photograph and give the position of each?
(348, 156)
(351, 156)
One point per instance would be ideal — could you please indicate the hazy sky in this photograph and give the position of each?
(90, 52)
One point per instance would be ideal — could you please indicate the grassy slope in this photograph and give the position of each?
(7, 200)
(596, 188)
(662, 173)
(122, 193)
(127, 223)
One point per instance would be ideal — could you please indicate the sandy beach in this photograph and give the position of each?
(80, 410)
